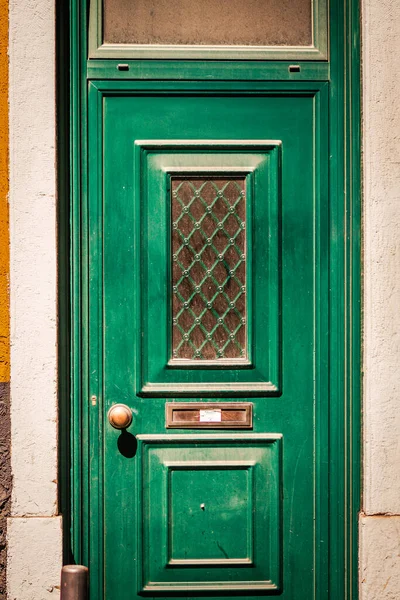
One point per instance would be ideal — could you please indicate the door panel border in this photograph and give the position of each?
(266, 360)
(273, 443)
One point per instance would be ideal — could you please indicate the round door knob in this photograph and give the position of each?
(120, 416)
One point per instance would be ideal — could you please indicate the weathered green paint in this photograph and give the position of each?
(129, 306)
(310, 409)
(216, 70)
(260, 163)
(217, 527)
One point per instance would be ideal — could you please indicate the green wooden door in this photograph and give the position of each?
(209, 233)
(215, 287)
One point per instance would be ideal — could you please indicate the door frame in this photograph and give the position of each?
(345, 269)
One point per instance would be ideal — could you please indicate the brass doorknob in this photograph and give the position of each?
(120, 416)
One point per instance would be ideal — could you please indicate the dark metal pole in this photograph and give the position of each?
(74, 582)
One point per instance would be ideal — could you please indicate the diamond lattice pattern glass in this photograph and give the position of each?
(208, 268)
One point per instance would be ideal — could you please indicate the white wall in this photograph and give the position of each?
(34, 531)
(380, 525)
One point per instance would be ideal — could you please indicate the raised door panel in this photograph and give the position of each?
(204, 321)
(210, 513)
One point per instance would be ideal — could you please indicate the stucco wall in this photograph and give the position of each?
(34, 532)
(5, 467)
(380, 525)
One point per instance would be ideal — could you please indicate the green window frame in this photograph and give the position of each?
(318, 50)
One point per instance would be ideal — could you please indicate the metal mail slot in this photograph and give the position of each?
(209, 415)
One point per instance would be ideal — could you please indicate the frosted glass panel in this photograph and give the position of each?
(211, 22)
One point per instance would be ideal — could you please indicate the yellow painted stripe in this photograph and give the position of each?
(4, 223)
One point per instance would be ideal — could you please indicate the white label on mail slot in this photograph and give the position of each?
(210, 415)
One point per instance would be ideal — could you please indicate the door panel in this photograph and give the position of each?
(262, 529)
(199, 297)
(210, 513)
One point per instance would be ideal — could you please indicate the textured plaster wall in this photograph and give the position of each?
(33, 257)
(5, 467)
(382, 256)
(34, 533)
(4, 236)
(380, 558)
(380, 526)
(35, 556)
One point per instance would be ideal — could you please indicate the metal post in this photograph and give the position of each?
(74, 582)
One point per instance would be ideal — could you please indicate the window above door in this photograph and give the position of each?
(209, 29)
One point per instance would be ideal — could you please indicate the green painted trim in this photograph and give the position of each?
(354, 308)
(264, 87)
(194, 70)
(126, 51)
(321, 326)
(345, 283)
(78, 270)
(63, 283)
(93, 341)
(345, 261)
(182, 155)
(317, 51)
